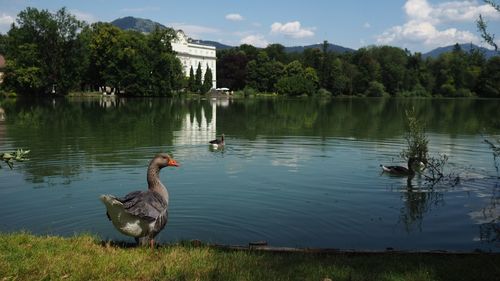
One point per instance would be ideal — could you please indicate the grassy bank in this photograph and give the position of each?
(83, 257)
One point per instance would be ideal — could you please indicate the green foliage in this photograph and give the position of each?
(10, 158)
(207, 81)
(55, 53)
(297, 80)
(416, 139)
(376, 89)
(198, 82)
(483, 26)
(191, 83)
(43, 52)
(489, 79)
(263, 73)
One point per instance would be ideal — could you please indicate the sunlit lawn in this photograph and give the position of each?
(83, 257)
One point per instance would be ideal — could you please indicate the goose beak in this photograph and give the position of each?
(172, 162)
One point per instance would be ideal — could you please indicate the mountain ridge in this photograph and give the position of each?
(147, 25)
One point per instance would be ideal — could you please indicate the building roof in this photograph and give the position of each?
(2, 61)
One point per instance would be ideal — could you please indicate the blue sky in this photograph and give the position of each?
(419, 25)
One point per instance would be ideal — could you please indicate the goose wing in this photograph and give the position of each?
(147, 205)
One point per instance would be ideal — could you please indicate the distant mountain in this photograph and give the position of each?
(217, 45)
(331, 48)
(465, 47)
(137, 24)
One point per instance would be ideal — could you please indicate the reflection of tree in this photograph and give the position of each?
(71, 136)
(416, 202)
(360, 118)
(489, 231)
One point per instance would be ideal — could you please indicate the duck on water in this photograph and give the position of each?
(400, 170)
(217, 143)
(142, 214)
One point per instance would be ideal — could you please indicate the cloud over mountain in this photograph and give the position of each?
(292, 29)
(426, 23)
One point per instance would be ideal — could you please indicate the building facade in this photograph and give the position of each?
(191, 54)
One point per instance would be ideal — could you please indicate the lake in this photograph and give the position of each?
(294, 172)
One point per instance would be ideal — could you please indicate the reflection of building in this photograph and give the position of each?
(194, 131)
(191, 54)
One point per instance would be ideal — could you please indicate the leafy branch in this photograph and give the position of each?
(496, 152)
(10, 158)
(483, 26)
(417, 147)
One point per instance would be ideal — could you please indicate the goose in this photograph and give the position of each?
(400, 170)
(142, 214)
(216, 143)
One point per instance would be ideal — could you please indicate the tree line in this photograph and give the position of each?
(370, 71)
(56, 53)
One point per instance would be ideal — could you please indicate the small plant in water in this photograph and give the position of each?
(496, 152)
(10, 157)
(417, 147)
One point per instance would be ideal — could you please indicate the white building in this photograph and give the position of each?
(190, 54)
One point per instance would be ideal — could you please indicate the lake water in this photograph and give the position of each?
(297, 173)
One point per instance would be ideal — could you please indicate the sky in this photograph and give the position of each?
(419, 25)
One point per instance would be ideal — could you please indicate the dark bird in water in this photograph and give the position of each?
(142, 214)
(216, 143)
(400, 170)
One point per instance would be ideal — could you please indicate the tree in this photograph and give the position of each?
(231, 71)
(191, 83)
(297, 80)
(262, 73)
(483, 26)
(197, 79)
(207, 81)
(276, 52)
(166, 69)
(43, 52)
(489, 79)
(376, 89)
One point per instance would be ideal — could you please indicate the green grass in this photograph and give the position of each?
(28, 257)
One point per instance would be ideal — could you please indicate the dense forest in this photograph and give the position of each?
(56, 53)
(371, 71)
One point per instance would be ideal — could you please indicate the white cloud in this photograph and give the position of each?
(414, 32)
(255, 40)
(234, 17)
(5, 22)
(140, 9)
(83, 16)
(194, 31)
(367, 25)
(423, 27)
(292, 29)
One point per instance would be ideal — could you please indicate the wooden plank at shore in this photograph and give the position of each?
(262, 246)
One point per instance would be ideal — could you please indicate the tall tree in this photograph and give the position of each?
(198, 79)
(191, 83)
(43, 52)
(207, 81)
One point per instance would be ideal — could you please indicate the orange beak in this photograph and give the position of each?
(172, 162)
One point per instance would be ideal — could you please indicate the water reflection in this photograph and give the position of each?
(305, 171)
(194, 131)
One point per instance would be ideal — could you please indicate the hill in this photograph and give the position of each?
(465, 47)
(146, 25)
(331, 47)
(217, 45)
(137, 24)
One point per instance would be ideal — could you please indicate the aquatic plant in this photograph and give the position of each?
(10, 158)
